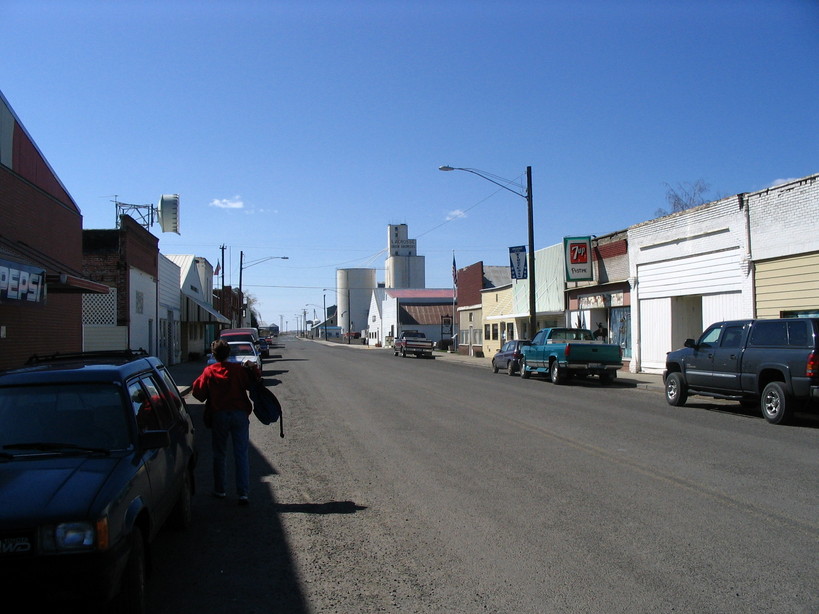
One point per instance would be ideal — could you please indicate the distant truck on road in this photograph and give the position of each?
(563, 352)
(413, 342)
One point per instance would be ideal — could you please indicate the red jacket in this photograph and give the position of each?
(225, 385)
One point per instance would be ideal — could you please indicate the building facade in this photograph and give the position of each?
(41, 279)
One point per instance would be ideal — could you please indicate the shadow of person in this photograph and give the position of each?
(331, 507)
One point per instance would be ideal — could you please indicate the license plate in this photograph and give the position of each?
(595, 365)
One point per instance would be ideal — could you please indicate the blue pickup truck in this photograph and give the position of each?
(564, 352)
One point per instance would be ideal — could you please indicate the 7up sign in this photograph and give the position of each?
(578, 251)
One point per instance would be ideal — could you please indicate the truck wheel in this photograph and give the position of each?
(776, 403)
(524, 371)
(556, 373)
(676, 392)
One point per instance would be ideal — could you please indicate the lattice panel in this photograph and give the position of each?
(100, 309)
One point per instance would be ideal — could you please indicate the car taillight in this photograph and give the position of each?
(568, 349)
(812, 368)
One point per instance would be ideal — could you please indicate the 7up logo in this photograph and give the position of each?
(578, 253)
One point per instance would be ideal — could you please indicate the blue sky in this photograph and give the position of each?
(303, 129)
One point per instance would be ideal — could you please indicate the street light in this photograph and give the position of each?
(242, 267)
(528, 196)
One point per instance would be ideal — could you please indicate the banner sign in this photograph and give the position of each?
(20, 282)
(578, 252)
(517, 259)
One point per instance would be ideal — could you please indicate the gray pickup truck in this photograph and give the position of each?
(773, 363)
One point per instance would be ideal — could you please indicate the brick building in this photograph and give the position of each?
(127, 260)
(41, 283)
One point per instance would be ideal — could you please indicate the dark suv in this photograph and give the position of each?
(96, 454)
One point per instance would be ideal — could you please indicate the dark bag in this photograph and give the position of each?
(266, 406)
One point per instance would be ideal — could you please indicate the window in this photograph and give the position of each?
(711, 336)
(731, 337)
(494, 331)
(486, 332)
(769, 333)
(797, 334)
(149, 404)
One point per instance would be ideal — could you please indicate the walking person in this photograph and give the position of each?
(223, 385)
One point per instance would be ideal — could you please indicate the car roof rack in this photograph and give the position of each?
(95, 355)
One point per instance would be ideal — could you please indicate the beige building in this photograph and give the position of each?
(498, 318)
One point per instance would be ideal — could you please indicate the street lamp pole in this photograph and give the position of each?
(242, 267)
(530, 218)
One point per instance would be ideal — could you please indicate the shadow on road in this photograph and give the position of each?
(232, 559)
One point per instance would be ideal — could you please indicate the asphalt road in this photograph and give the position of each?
(412, 485)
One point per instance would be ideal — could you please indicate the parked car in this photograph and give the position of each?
(264, 348)
(772, 364)
(508, 357)
(241, 351)
(97, 452)
(239, 336)
(252, 331)
(562, 353)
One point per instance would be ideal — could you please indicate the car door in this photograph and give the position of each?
(699, 364)
(534, 353)
(727, 352)
(153, 414)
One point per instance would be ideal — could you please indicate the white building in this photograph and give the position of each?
(687, 270)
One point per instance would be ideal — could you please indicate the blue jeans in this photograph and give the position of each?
(236, 425)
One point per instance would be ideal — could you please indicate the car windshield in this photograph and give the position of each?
(85, 416)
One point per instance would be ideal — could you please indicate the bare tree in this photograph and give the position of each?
(684, 196)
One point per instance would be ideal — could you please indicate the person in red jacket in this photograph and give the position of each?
(223, 385)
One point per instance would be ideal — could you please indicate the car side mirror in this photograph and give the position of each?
(690, 343)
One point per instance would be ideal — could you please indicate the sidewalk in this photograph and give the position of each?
(185, 373)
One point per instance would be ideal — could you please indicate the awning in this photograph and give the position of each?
(65, 283)
(59, 278)
(215, 315)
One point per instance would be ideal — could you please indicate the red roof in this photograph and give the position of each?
(437, 293)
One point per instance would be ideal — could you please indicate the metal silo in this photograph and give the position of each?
(354, 288)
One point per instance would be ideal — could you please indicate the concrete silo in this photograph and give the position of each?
(354, 288)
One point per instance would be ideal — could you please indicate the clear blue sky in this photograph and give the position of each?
(303, 129)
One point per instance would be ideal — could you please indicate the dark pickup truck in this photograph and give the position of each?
(774, 363)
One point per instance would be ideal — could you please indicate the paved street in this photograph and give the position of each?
(408, 485)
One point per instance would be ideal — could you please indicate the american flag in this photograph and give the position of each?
(454, 271)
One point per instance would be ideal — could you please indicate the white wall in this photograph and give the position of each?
(700, 256)
(143, 305)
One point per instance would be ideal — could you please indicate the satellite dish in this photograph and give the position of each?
(168, 213)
